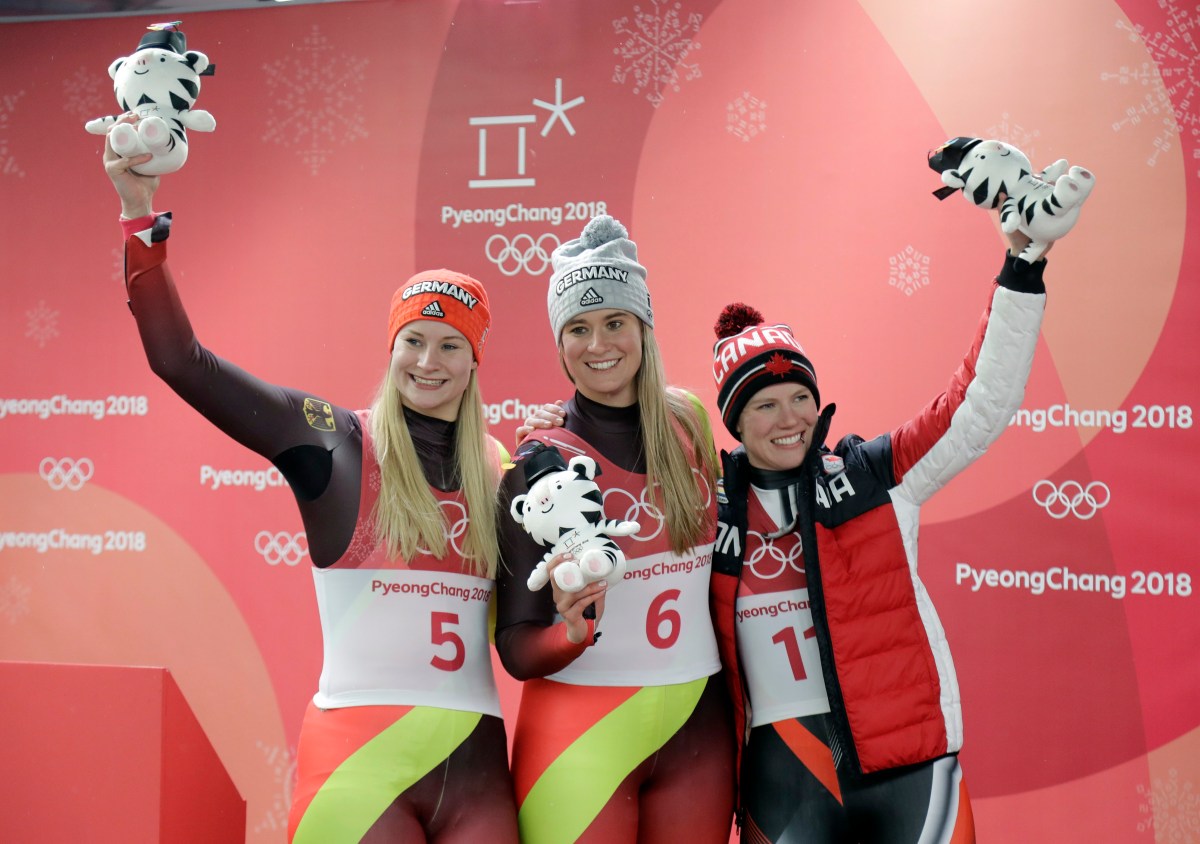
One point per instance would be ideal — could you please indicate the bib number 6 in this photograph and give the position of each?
(663, 623)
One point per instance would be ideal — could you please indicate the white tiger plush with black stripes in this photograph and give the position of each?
(565, 510)
(1044, 206)
(160, 83)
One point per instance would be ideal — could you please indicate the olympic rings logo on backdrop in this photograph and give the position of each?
(458, 527)
(1072, 497)
(282, 547)
(765, 548)
(521, 253)
(639, 510)
(66, 473)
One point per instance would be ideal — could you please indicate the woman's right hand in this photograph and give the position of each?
(570, 605)
(136, 191)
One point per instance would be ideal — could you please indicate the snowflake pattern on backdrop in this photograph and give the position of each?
(1171, 82)
(656, 47)
(84, 93)
(1172, 810)
(1017, 135)
(316, 100)
(282, 763)
(746, 117)
(8, 163)
(908, 271)
(42, 325)
(14, 600)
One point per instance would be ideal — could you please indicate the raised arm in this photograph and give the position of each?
(261, 416)
(957, 427)
(298, 432)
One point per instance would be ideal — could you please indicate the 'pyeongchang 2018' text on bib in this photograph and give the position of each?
(403, 636)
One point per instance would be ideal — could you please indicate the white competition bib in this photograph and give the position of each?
(779, 655)
(656, 629)
(405, 637)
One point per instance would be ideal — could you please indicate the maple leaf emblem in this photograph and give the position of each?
(779, 365)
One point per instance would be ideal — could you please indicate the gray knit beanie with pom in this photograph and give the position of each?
(598, 270)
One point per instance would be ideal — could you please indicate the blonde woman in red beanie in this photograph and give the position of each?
(836, 658)
(403, 740)
(623, 732)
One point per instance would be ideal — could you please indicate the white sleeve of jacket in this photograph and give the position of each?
(991, 399)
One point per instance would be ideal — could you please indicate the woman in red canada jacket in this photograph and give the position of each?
(840, 670)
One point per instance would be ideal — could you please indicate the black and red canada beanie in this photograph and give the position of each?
(749, 356)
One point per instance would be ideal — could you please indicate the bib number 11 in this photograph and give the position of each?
(791, 645)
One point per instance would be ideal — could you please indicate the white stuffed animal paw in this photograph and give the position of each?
(124, 140)
(155, 135)
(570, 577)
(1073, 188)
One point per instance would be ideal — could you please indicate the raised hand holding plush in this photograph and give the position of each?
(1043, 206)
(159, 83)
(564, 509)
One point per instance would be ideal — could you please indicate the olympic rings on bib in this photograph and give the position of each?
(773, 558)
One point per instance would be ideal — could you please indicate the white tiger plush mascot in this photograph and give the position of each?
(1044, 206)
(565, 510)
(160, 83)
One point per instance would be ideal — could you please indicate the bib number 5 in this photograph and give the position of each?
(439, 635)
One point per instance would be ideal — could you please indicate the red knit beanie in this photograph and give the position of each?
(749, 356)
(447, 296)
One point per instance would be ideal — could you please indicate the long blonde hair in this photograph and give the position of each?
(687, 508)
(686, 505)
(407, 516)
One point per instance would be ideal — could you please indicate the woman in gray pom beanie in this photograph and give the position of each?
(627, 737)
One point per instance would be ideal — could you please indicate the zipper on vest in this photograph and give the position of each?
(841, 739)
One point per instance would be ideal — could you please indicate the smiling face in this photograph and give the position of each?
(154, 77)
(776, 426)
(602, 353)
(431, 367)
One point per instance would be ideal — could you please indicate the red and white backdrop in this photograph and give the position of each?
(760, 151)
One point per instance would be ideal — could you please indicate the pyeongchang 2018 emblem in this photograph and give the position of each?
(66, 473)
(282, 547)
(1071, 498)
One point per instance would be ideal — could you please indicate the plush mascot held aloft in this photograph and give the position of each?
(160, 83)
(1044, 206)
